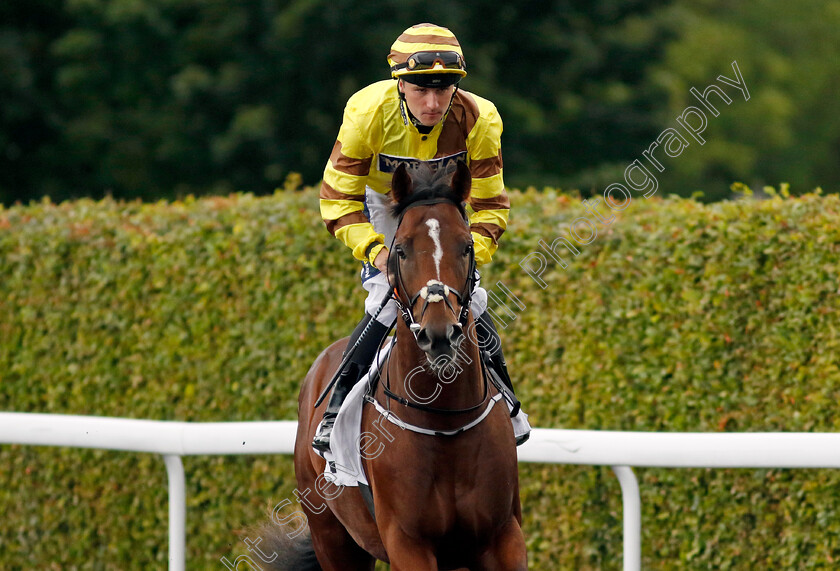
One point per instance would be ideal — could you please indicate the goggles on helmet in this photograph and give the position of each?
(431, 62)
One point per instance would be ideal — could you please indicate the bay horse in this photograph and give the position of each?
(445, 497)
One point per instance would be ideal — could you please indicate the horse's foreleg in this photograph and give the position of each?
(407, 554)
(335, 549)
(415, 561)
(508, 552)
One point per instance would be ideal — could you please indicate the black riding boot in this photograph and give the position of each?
(358, 364)
(490, 346)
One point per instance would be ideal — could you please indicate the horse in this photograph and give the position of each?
(443, 484)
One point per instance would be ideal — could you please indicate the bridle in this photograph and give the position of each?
(431, 293)
(434, 291)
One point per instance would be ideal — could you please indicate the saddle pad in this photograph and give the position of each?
(344, 465)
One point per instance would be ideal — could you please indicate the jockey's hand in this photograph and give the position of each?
(381, 261)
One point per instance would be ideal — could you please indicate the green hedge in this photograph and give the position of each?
(678, 316)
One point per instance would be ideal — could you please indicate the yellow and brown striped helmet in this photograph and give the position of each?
(427, 52)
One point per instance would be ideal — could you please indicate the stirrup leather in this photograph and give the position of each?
(501, 380)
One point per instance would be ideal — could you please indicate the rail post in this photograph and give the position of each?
(177, 512)
(631, 509)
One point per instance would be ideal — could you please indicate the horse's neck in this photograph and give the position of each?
(460, 385)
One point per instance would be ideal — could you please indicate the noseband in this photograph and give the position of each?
(434, 291)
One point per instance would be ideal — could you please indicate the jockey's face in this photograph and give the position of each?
(427, 104)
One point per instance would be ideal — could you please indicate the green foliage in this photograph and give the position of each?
(195, 310)
(679, 316)
(789, 128)
(158, 98)
(164, 98)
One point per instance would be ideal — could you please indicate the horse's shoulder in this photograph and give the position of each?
(329, 354)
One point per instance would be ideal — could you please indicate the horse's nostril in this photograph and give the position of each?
(423, 340)
(439, 341)
(454, 333)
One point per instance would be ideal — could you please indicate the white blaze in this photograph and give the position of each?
(434, 234)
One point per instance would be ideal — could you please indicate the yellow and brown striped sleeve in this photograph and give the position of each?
(342, 193)
(488, 198)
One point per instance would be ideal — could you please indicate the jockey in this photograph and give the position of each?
(421, 117)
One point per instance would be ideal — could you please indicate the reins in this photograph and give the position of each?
(386, 387)
(386, 412)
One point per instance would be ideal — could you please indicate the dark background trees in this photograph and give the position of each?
(162, 98)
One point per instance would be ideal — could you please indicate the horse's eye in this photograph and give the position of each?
(400, 252)
(468, 249)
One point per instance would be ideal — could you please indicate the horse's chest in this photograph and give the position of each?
(452, 497)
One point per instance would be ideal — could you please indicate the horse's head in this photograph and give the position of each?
(432, 263)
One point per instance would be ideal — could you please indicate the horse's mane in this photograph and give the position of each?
(429, 184)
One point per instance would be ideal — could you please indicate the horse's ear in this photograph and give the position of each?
(462, 181)
(401, 185)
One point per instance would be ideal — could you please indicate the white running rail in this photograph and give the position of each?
(620, 450)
